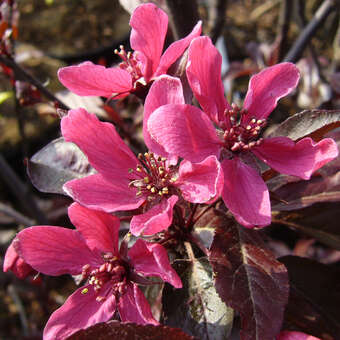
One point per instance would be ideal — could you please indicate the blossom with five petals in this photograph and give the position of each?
(149, 182)
(232, 134)
(111, 273)
(149, 27)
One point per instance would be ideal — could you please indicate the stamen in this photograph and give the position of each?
(240, 133)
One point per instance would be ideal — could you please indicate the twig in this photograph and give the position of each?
(303, 23)
(18, 217)
(21, 310)
(22, 74)
(21, 191)
(321, 14)
(219, 20)
(284, 22)
(183, 16)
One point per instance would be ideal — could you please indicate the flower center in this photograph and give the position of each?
(152, 178)
(240, 135)
(112, 271)
(130, 63)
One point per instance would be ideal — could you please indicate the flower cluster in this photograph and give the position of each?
(194, 156)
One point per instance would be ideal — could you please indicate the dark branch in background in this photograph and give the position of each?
(21, 74)
(283, 28)
(219, 20)
(300, 44)
(302, 23)
(21, 191)
(183, 16)
(18, 217)
(94, 55)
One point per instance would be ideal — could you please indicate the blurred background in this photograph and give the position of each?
(44, 35)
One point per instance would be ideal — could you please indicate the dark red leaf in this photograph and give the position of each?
(249, 279)
(312, 123)
(114, 330)
(197, 308)
(314, 297)
(55, 164)
(320, 221)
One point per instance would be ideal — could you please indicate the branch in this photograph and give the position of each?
(183, 16)
(306, 35)
(22, 74)
(20, 190)
(284, 21)
(219, 19)
(18, 217)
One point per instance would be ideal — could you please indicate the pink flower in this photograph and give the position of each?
(111, 274)
(13, 262)
(149, 27)
(190, 133)
(149, 182)
(286, 335)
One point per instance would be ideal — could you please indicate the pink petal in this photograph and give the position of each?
(298, 159)
(200, 182)
(204, 75)
(149, 26)
(165, 90)
(99, 229)
(286, 335)
(16, 264)
(176, 49)
(134, 307)
(80, 310)
(184, 130)
(155, 219)
(151, 259)
(105, 150)
(88, 79)
(245, 194)
(267, 87)
(54, 250)
(95, 192)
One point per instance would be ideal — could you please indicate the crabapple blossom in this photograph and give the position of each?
(111, 274)
(137, 69)
(233, 134)
(125, 182)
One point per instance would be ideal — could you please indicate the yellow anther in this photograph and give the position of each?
(146, 180)
(85, 291)
(149, 187)
(138, 193)
(165, 190)
(163, 159)
(160, 193)
(253, 121)
(248, 127)
(153, 190)
(139, 168)
(146, 155)
(260, 121)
